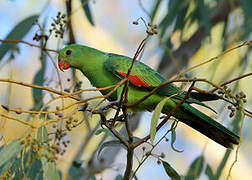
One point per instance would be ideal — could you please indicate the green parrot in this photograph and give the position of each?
(106, 69)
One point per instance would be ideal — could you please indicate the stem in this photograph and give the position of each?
(128, 170)
(27, 43)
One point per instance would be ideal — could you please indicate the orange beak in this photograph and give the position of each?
(63, 65)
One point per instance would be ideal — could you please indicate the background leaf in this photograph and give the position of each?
(87, 12)
(17, 33)
(37, 94)
(171, 172)
(155, 118)
(42, 134)
(10, 151)
(76, 171)
(209, 173)
(49, 170)
(195, 169)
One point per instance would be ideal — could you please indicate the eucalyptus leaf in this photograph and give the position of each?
(223, 163)
(7, 165)
(10, 151)
(39, 80)
(170, 171)
(155, 118)
(76, 171)
(195, 169)
(17, 33)
(246, 7)
(49, 169)
(209, 173)
(87, 11)
(156, 6)
(42, 134)
(173, 139)
(34, 171)
(119, 177)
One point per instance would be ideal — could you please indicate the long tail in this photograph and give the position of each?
(209, 127)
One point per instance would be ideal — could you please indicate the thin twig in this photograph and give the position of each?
(40, 87)
(27, 43)
(246, 43)
(18, 120)
(230, 81)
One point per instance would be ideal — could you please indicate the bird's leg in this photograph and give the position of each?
(119, 119)
(110, 104)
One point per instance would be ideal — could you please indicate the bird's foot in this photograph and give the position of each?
(111, 104)
(119, 119)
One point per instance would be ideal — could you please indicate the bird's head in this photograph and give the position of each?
(69, 57)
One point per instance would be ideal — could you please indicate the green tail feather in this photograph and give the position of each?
(209, 127)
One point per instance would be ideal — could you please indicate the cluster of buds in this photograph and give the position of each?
(225, 92)
(51, 154)
(42, 149)
(240, 97)
(59, 24)
(61, 145)
(40, 35)
(59, 134)
(232, 109)
(159, 157)
(71, 123)
(151, 29)
(237, 99)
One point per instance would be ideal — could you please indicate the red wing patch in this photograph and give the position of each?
(135, 80)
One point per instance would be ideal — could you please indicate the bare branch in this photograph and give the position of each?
(27, 43)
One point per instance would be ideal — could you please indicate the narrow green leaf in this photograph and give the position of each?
(49, 170)
(109, 144)
(34, 171)
(42, 134)
(7, 165)
(76, 171)
(10, 151)
(223, 163)
(154, 11)
(247, 26)
(87, 11)
(93, 178)
(17, 33)
(155, 118)
(239, 116)
(173, 139)
(171, 172)
(209, 173)
(204, 15)
(119, 177)
(39, 80)
(195, 169)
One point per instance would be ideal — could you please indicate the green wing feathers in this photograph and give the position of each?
(147, 77)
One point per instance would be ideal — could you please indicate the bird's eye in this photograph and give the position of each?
(68, 52)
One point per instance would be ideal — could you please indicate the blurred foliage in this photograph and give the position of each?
(35, 155)
(17, 33)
